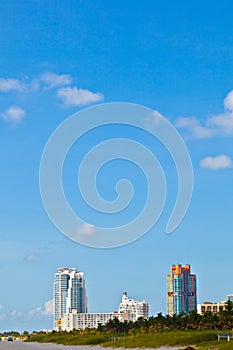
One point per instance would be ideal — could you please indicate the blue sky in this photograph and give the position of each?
(58, 57)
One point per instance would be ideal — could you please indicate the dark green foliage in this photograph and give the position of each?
(13, 333)
(191, 321)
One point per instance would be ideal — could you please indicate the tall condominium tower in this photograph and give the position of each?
(69, 294)
(181, 290)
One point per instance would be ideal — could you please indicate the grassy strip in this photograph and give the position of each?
(70, 339)
(202, 340)
(155, 340)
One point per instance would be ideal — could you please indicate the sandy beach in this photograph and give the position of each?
(19, 345)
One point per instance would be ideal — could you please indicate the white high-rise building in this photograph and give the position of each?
(69, 294)
(76, 294)
(131, 309)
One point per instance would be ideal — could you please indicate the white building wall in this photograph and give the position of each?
(81, 321)
(129, 310)
(133, 308)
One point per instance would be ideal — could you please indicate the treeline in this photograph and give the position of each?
(191, 321)
(13, 333)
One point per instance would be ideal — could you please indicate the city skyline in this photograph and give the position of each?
(70, 304)
(58, 58)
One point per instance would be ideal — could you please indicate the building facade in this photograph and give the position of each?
(131, 309)
(76, 293)
(181, 290)
(69, 294)
(207, 306)
(82, 321)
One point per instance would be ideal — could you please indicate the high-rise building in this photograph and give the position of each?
(181, 290)
(69, 294)
(76, 293)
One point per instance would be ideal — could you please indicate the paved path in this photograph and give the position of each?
(19, 345)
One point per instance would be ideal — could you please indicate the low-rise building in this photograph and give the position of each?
(76, 320)
(211, 307)
(129, 310)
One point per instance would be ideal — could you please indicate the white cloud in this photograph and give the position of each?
(10, 84)
(223, 123)
(214, 163)
(13, 114)
(228, 102)
(195, 127)
(49, 80)
(39, 312)
(78, 97)
(216, 125)
(52, 79)
(87, 229)
(154, 122)
(35, 312)
(71, 96)
(15, 313)
(48, 308)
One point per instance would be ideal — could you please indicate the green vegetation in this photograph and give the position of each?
(72, 338)
(203, 339)
(13, 333)
(182, 330)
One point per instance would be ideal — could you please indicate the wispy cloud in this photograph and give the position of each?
(13, 114)
(216, 125)
(222, 123)
(73, 96)
(228, 102)
(46, 80)
(35, 312)
(30, 258)
(39, 311)
(52, 80)
(48, 308)
(195, 128)
(15, 313)
(10, 84)
(214, 163)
